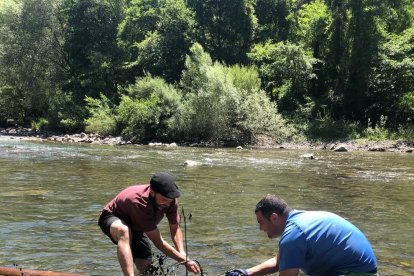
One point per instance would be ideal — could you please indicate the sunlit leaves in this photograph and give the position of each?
(157, 35)
(285, 69)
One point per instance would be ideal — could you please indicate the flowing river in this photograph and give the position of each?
(51, 196)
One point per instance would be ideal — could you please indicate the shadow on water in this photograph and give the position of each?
(51, 196)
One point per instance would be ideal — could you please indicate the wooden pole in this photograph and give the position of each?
(18, 271)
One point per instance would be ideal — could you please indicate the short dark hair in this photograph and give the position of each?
(272, 204)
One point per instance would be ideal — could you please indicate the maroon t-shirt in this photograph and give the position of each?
(134, 207)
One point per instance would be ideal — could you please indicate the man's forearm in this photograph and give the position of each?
(177, 238)
(267, 267)
(171, 252)
(166, 248)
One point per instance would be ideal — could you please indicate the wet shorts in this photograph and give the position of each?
(370, 273)
(140, 245)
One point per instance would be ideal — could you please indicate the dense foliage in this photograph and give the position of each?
(200, 70)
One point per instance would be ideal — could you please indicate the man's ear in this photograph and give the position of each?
(274, 217)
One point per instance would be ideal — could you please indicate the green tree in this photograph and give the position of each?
(392, 87)
(196, 66)
(93, 58)
(364, 40)
(225, 28)
(26, 62)
(274, 20)
(358, 29)
(332, 77)
(157, 35)
(286, 70)
(314, 20)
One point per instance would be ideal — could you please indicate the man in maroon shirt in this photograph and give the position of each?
(132, 217)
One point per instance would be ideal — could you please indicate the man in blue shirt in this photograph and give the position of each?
(318, 243)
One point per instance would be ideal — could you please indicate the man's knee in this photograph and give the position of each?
(120, 231)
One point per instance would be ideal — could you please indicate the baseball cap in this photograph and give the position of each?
(164, 184)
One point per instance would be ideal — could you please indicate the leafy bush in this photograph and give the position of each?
(40, 124)
(406, 132)
(260, 117)
(64, 114)
(378, 132)
(136, 117)
(205, 112)
(145, 114)
(9, 107)
(406, 103)
(101, 120)
(256, 114)
(328, 128)
(225, 103)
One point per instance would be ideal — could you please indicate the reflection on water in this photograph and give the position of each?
(51, 196)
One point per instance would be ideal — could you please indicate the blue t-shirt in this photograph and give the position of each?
(324, 244)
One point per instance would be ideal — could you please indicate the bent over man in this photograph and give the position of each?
(316, 242)
(131, 218)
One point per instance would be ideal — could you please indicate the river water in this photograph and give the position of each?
(51, 196)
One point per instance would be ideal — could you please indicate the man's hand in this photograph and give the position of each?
(193, 267)
(237, 272)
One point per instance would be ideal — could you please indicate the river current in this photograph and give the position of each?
(51, 195)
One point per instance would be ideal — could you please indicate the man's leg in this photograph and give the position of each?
(141, 251)
(120, 232)
(142, 264)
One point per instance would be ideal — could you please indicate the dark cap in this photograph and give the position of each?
(164, 184)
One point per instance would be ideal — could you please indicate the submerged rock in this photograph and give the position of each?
(191, 163)
(307, 156)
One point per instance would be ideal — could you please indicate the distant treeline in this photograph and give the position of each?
(209, 70)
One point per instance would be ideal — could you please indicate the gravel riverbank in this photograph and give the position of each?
(341, 146)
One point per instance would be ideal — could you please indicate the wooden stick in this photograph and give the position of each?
(16, 271)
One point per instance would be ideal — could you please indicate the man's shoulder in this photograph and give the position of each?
(308, 221)
(133, 194)
(301, 215)
(316, 223)
(138, 188)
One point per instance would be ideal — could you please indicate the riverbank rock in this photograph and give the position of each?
(29, 134)
(376, 148)
(341, 148)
